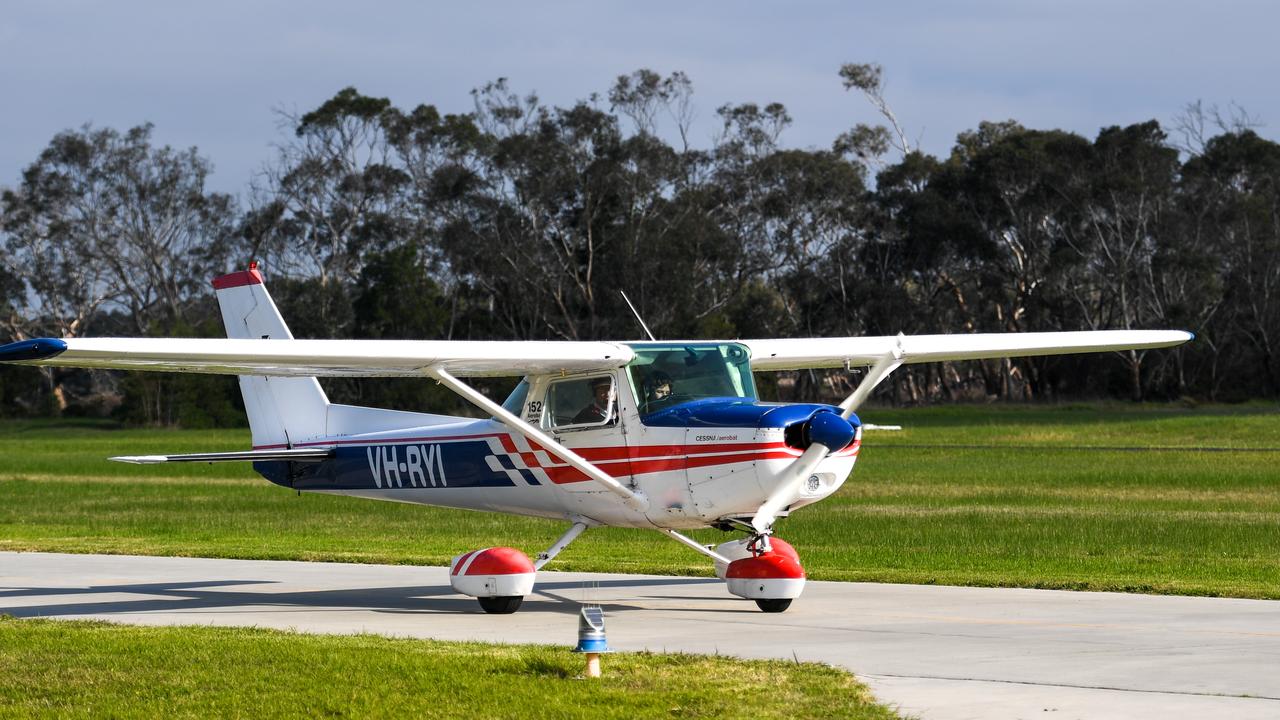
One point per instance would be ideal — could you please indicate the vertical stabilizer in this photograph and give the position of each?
(282, 411)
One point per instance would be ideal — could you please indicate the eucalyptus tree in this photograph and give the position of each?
(335, 191)
(542, 214)
(345, 181)
(108, 233)
(1232, 196)
(1119, 232)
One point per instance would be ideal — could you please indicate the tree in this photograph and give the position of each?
(869, 142)
(1118, 233)
(334, 192)
(1231, 193)
(105, 223)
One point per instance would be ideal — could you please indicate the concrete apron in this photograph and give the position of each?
(936, 652)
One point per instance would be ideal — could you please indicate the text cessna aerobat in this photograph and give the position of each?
(657, 435)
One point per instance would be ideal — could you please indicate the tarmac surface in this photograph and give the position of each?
(935, 652)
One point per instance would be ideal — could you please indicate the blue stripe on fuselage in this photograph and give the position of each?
(418, 464)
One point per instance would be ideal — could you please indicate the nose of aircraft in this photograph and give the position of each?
(824, 427)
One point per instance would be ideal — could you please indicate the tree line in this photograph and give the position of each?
(521, 220)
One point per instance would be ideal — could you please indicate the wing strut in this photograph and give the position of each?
(803, 466)
(889, 362)
(633, 499)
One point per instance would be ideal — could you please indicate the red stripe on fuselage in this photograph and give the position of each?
(636, 460)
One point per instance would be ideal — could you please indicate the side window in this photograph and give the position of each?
(581, 402)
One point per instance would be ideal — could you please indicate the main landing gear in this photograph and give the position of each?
(759, 567)
(500, 577)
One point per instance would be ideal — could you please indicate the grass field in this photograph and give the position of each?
(1163, 499)
(96, 670)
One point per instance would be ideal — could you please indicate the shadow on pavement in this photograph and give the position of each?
(221, 595)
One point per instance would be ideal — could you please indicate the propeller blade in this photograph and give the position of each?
(785, 493)
(828, 432)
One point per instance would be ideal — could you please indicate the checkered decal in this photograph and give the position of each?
(513, 462)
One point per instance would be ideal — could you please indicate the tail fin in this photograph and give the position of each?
(282, 411)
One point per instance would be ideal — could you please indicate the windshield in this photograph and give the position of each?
(666, 375)
(514, 403)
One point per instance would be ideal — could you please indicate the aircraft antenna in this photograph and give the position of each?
(637, 314)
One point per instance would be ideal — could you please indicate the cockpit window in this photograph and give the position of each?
(580, 403)
(666, 375)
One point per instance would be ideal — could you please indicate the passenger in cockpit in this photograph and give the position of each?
(601, 402)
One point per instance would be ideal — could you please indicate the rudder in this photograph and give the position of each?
(282, 411)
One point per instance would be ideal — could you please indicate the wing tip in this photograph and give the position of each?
(32, 350)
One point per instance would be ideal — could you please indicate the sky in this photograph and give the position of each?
(217, 75)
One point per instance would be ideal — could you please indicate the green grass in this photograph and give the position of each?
(96, 670)
(1166, 499)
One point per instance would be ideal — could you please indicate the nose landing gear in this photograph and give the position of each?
(758, 567)
(764, 569)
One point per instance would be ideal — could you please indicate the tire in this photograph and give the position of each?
(773, 606)
(504, 605)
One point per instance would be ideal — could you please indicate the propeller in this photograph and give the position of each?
(827, 432)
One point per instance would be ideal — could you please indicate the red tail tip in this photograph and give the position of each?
(238, 279)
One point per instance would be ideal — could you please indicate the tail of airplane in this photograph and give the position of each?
(282, 411)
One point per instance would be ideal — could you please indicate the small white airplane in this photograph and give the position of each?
(656, 435)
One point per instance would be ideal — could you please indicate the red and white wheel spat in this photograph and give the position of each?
(775, 575)
(492, 572)
(738, 549)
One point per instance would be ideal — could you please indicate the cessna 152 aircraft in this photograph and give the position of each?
(663, 436)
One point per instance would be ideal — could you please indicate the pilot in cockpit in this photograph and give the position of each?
(658, 390)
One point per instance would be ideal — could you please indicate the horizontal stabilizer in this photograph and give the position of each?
(245, 456)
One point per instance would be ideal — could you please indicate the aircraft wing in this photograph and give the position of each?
(469, 358)
(326, 358)
(802, 354)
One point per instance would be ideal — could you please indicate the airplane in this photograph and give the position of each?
(657, 435)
